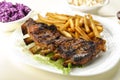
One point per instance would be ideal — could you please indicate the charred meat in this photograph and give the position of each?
(48, 39)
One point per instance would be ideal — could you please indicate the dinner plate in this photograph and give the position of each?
(97, 66)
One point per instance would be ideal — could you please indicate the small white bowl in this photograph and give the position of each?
(86, 8)
(11, 26)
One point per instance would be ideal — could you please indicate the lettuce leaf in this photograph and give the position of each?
(57, 64)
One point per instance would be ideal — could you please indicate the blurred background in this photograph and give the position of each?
(111, 9)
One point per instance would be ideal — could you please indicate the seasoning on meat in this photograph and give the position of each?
(48, 39)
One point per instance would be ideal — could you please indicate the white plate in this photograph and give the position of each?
(107, 61)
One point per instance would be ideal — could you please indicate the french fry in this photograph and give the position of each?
(65, 15)
(65, 25)
(86, 25)
(77, 23)
(76, 35)
(58, 17)
(73, 34)
(91, 35)
(81, 22)
(67, 34)
(71, 24)
(94, 27)
(49, 21)
(80, 31)
(69, 30)
(100, 28)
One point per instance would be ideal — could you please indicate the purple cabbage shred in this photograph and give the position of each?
(11, 12)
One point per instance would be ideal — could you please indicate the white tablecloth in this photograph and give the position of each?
(12, 69)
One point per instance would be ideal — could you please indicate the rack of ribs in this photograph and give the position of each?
(48, 39)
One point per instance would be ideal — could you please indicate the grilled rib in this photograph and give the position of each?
(74, 51)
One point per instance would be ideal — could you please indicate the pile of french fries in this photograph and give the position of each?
(73, 26)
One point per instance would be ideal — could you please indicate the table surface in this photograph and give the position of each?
(13, 69)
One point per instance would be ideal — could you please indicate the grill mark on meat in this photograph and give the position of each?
(75, 51)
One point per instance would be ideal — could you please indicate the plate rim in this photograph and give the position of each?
(115, 63)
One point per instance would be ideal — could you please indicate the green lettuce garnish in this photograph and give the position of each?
(58, 64)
